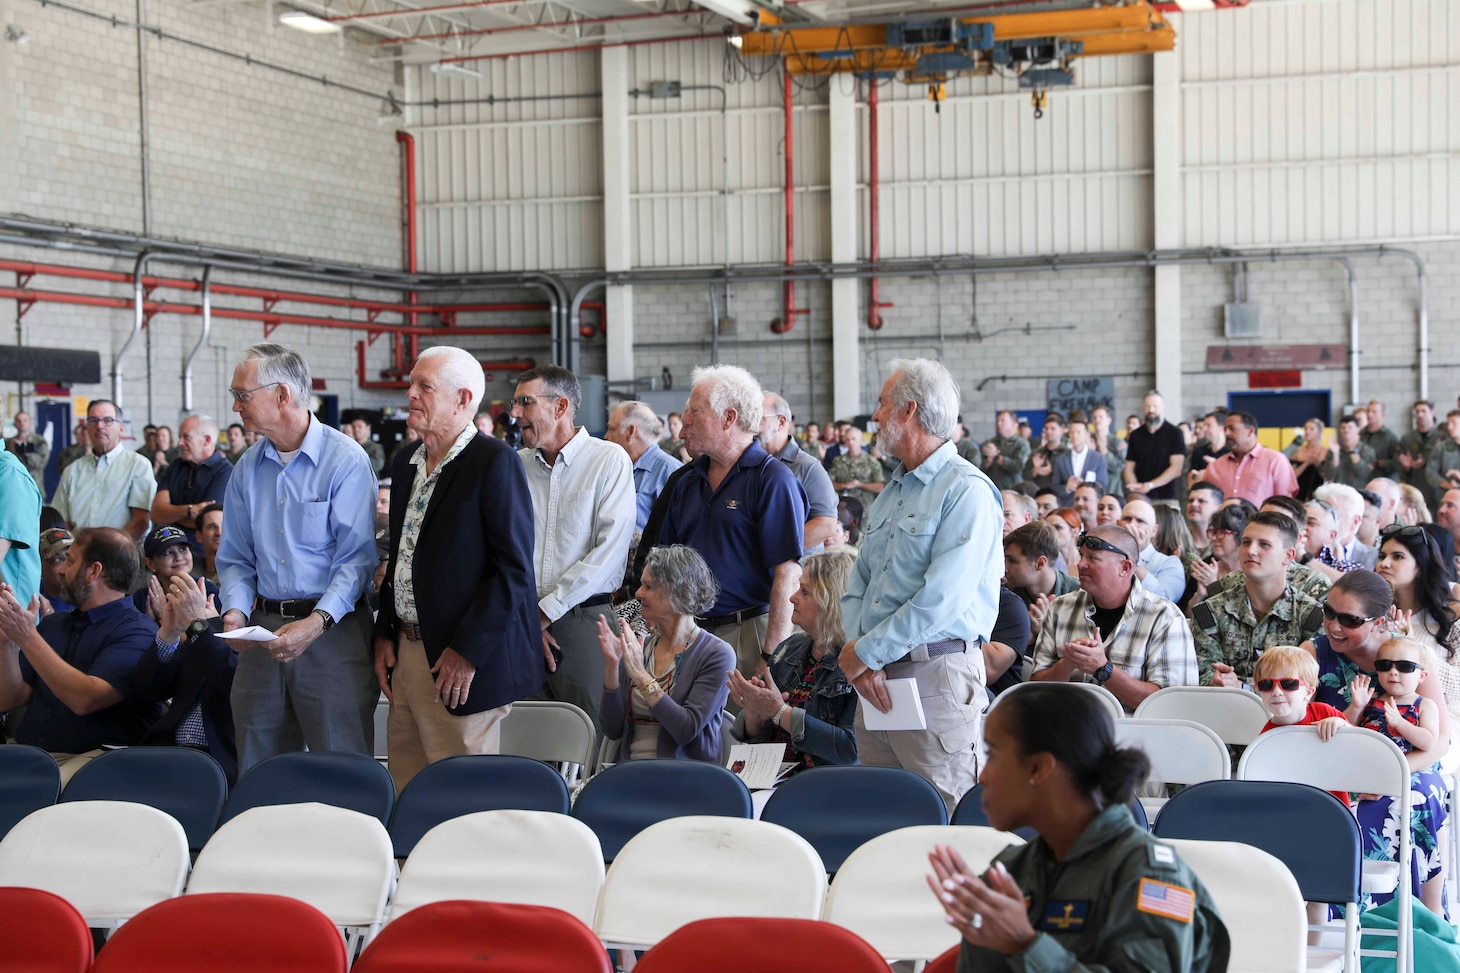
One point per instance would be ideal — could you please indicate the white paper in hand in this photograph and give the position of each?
(249, 633)
(906, 712)
(757, 764)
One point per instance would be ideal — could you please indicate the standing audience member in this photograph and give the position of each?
(1080, 464)
(1006, 453)
(297, 559)
(1233, 627)
(33, 450)
(1380, 439)
(210, 535)
(854, 470)
(1112, 447)
(237, 444)
(76, 671)
(360, 430)
(456, 639)
(1308, 455)
(664, 698)
(924, 593)
(742, 510)
(20, 529)
(1350, 462)
(1040, 468)
(192, 668)
(635, 427)
(1212, 446)
(1114, 632)
(165, 454)
(1442, 467)
(198, 478)
(111, 487)
(80, 446)
(1160, 574)
(673, 442)
(1155, 453)
(582, 521)
(821, 498)
(485, 424)
(1202, 501)
(1414, 449)
(1448, 514)
(802, 699)
(1251, 471)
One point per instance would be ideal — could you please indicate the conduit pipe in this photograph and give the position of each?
(1424, 316)
(1353, 324)
(788, 319)
(138, 320)
(874, 216)
(207, 307)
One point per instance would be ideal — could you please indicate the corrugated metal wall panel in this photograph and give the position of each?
(1321, 123)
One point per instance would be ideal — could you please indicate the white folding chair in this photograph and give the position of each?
(553, 732)
(109, 859)
(1181, 752)
(882, 895)
(1259, 902)
(524, 857)
(704, 867)
(1357, 761)
(1235, 715)
(1111, 701)
(341, 862)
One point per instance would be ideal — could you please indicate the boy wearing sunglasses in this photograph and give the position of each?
(1285, 678)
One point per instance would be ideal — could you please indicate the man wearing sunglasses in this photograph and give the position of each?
(1234, 626)
(1114, 631)
(112, 486)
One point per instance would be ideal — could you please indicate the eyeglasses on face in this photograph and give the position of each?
(107, 421)
(1091, 542)
(1291, 685)
(1344, 618)
(524, 401)
(1405, 666)
(243, 395)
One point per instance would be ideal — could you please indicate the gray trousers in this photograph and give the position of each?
(951, 690)
(579, 678)
(323, 700)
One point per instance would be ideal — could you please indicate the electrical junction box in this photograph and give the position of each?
(1242, 319)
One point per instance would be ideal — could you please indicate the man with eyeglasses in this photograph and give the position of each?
(112, 486)
(776, 426)
(1114, 631)
(1234, 626)
(198, 478)
(583, 520)
(297, 559)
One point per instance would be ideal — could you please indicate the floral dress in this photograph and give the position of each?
(1378, 819)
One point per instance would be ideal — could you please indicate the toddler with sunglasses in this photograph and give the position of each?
(1402, 713)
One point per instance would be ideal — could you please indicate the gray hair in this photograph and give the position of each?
(929, 384)
(1022, 501)
(641, 416)
(1342, 496)
(558, 381)
(460, 369)
(281, 366)
(779, 405)
(206, 423)
(687, 581)
(1328, 510)
(732, 387)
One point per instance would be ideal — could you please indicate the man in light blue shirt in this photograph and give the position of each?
(635, 427)
(297, 557)
(924, 594)
(1160, 574)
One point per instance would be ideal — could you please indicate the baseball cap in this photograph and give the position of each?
(162, 538)
(55, 542)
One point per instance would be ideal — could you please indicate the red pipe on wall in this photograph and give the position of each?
(787, 320)
(408, 147)
(874, 182)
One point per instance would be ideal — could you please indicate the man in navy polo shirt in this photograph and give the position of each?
(197, 479)
(742, 510)
(76, 670)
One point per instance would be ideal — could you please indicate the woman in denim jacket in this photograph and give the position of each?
(802, 699)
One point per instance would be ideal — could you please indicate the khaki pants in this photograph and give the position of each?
(420, 730)
(71, 763)
(747, 638)
(951, 690)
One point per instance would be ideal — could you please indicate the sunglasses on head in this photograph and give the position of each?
(1398, 665)
(1401, 530)
(1091, 542)
(1345, 619)
(1291, 685)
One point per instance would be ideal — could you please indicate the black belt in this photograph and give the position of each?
(595, 601)
(289, 609)
(734, 618)
(935, 649)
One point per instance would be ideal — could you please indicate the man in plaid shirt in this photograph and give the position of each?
(1113, 632)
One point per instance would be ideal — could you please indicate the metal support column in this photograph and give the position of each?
(845, 152)
(1166, 207)
(617, 218)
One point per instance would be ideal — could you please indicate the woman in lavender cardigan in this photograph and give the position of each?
(664, 698)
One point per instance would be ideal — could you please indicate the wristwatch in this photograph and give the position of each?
(1104, 673)
(326, 617)
(652, 686)
(198, 627)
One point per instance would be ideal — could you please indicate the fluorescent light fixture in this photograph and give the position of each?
(1191, 6)
(735, 41)
(743, 12)
(308, 23)
(458, 70)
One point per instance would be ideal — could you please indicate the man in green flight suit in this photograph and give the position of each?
(1006, 453)
(854, 470)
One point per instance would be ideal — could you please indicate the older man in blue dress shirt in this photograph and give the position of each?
(924, 593)
(297, 557)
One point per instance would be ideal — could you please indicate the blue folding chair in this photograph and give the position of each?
(624, 799)
(353, 781)
(29, 781)
(970, 812)
(187, 784)
(839, 809)
(456, 786)
(1305, 828)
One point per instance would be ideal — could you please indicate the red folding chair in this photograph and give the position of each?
(733, 945)
(40, 932)
(225, 932)
(460, 936)
(945, 963)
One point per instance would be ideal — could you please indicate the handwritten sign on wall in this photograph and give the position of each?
(1083, 393)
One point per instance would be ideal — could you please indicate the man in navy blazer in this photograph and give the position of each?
(457, 639)
(1083, 463)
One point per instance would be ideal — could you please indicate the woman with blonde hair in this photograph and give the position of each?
(802, 698)
(1412, 507)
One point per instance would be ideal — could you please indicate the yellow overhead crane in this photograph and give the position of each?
(1040, 47)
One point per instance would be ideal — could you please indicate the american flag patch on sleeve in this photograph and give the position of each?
(1161, 899)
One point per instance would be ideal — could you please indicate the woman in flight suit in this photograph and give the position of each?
(1094, 890)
